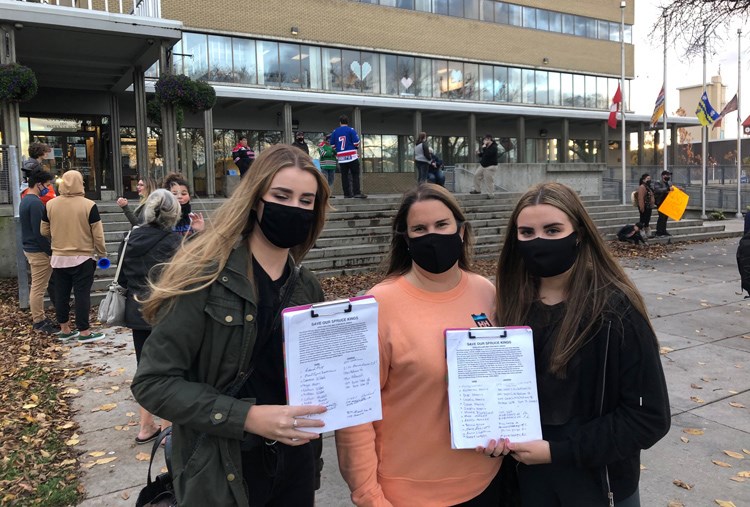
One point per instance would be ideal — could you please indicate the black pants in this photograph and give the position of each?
(139, 339)
(645, 217)
(279, 475)
(423, 168)
(661, 224)
(490, 497)
(350, 178)
(80, 279)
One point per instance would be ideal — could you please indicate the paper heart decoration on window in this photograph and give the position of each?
(456, 76)
(406, 82)
(361, 71)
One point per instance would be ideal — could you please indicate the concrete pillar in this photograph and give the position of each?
(672, 160)
(641, 135)
(521, 140)
(417, 124)
(208, 128)
(471, 142)
(168, 116)
(604, 148)
(287, 136)
(11, 118)
(141, 134)
(564, 151)
(114, 137)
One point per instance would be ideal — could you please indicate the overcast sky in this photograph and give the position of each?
(649, 69)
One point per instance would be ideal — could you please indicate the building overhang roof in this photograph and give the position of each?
(77, 48)
(426, 104)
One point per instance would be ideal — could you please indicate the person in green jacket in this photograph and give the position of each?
(213, 364)
(328, 160)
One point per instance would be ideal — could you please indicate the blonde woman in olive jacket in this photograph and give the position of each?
(213, 356)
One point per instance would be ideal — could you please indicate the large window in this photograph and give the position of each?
(222, 59)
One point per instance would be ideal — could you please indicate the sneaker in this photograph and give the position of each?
(360, 196)
(475, 192)
(63, 337)
(93, 337)
(46, 326)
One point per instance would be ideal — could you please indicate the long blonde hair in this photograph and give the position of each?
(596, 279)
(198, 263)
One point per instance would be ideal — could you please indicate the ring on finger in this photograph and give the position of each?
(294, 422)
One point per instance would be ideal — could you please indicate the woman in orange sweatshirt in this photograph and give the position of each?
(406, 458)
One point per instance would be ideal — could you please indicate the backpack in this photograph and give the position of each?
(634, 198)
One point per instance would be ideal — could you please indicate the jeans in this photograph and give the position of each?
(350, 178)
(80, 279)
(41, 273)
(661, 224)
(645, 217)
(330, 175)
(423, 169)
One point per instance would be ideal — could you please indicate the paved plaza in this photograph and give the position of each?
(703, 325)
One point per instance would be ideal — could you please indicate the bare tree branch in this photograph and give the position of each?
(689, 22)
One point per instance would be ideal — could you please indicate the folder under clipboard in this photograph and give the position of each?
(331, 358)
(492, 390)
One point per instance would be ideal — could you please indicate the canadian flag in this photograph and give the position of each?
(616, 103)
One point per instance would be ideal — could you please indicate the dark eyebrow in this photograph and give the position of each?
(555, 224)
(290, 191)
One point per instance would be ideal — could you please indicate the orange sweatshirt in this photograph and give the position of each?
(406, 458)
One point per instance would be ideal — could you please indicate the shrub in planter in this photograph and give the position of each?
(17, 83)
(183, 91)
(717, 215)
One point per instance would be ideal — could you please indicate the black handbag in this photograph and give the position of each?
(159, 492)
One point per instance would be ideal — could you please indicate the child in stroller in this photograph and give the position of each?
(436, 174)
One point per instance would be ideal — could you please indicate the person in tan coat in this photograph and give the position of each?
(77, 236)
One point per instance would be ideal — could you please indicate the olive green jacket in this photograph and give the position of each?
(194, 354)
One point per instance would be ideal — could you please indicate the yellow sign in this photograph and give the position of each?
(675, 203)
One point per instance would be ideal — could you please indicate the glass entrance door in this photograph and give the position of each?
(74, 151)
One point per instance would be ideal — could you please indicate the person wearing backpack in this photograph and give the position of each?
(645, 202)
(422, 157)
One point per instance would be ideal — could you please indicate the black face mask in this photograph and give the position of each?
(286, 226)
(436, 253)
(667, 178)
(185, 210)
(549, 257)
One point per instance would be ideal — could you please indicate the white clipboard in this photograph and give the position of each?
(492, 390)
(331, 358)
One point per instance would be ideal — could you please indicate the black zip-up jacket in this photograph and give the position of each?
(743, 261)
(661, 190)
(630, 401)
(147, 247)
(489, 155)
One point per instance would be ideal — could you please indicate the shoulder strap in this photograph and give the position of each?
(122, 255)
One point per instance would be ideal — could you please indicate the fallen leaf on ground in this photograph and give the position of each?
(696, 386)
(125, 495)
(693, 431)
(685, 439)
(697, 399)
(104, 461)
(736, 405)
(734, 454)
(745, 451)
(105, 408)
(643, 467)
(744, 473)
(143, 456)
(721, 463)
(737, 479)
(724, 503)
(97, 454)
(130, 414)
(665, 350)
(675, 504)
(682, 484)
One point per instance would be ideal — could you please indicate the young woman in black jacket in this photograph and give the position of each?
(602, 392)
(149, 245)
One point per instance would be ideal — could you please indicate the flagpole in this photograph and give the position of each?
(704, 136)
(664, 135)
(739, 122)
(622, 103)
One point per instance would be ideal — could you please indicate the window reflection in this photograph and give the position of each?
(196, 59)
(220, 59)
(313, 67)
(528, 85)
(369, 72)
(406, 76)
(541, 87)
(423, 77)
(486, 83)
(501, 84)
(331, 61)
(470, 81)
(471, 9)
(244, 61)
(590, 91)
(553, 88)
(514, 85)
(440, 78)
(268, 62)
(290, 65)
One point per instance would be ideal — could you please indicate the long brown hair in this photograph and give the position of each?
(198, 263)
(399, 261)
(594, 282)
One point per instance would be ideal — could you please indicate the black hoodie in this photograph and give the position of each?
(147, 247)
